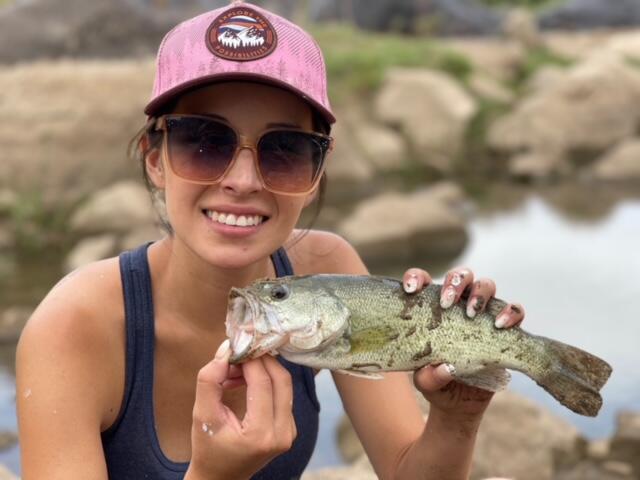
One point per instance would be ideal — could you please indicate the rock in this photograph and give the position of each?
(545, 78)
(121, 207)
(7, 440)
(90, 250)
(12, 321)
(6, 474)
(346, 163)
(401, 225)
(588, 470)
(621, 164)
(8, 200)
(141, 235)
(537, 165)
(625, 444)
(592, 109)
(432, 110)
(383, 147)
(54, 132)
(598, 449)
(360, 470)
(517, 439)
(7, 235)
(488, 88)
(587, 14)
(521, 26)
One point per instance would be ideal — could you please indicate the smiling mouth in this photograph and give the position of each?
(234, 220)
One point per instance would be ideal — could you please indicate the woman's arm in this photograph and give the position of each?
(69, 381)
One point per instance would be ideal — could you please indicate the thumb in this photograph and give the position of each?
(432, 378)
(208, 404)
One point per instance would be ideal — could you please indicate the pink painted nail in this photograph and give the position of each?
(501, 320)
(448, 297)
(411, 285)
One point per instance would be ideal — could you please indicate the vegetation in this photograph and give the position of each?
(535, 59)
(357, 60)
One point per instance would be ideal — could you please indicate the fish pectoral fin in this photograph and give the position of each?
(491, 378)
(361, 374)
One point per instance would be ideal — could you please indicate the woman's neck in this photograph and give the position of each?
(188, 289)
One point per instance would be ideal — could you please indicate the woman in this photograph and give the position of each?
(115, 371)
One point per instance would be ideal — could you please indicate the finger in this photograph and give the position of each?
(433, 378)
(481, 292)
(259, 394)
(233, 383)
(454, 284)
(510, 316)
(208, 406)
(415, 279)
(282, 399)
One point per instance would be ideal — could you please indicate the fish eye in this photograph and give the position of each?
(279, 292)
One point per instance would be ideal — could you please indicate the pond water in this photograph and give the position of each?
(574, 265)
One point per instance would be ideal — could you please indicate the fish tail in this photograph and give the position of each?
(574, 378)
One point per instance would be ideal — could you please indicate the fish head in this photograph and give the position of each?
(288, 314)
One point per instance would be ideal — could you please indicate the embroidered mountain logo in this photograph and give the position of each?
(241, 34)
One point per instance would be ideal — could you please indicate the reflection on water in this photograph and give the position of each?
(571, 258)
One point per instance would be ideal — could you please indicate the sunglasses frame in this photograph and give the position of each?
(243, 143)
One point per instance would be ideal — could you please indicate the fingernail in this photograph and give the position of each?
(447, 298)
(446, 370)
(471, 307)
(411, 285)
(450, 368)
(222, 350)
(501, 320)
(456, 279)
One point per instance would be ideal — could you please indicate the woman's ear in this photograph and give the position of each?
(153, 162)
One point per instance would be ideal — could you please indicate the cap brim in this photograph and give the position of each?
(157, 103)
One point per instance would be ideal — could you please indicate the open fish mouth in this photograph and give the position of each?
(252, 327)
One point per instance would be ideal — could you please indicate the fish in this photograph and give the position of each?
(367, 325)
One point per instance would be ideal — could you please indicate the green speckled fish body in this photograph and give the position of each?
(364, 324)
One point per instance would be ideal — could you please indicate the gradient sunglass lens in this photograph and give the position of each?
(198, 148)
(291, 161)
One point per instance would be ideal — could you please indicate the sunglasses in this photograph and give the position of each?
(202, 150)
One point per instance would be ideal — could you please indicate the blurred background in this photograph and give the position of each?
(502, 135)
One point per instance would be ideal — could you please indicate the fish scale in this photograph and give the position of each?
(363, 325)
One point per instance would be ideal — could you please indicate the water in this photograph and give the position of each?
(575, 273)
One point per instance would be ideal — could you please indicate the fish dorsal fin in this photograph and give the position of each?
(491, 378)
(361, 374)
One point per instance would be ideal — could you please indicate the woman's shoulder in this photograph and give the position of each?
(84, 306)
(317, 251)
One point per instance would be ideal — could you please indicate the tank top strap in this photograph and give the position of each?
(281, 263)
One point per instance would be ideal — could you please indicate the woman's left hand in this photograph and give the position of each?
(436, 382)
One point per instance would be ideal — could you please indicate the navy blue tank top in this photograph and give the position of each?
(131, 445)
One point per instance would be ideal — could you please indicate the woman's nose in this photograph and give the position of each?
(242, 177)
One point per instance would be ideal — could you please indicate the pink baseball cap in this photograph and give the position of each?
(240, 42)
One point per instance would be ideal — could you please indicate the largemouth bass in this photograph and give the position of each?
(363, 325)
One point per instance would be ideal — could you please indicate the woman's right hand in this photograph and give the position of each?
(224, 446)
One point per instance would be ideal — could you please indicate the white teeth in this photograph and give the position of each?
(233, 220)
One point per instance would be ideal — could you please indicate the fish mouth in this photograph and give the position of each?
(252, 327)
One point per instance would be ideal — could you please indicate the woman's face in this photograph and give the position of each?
(192, 209)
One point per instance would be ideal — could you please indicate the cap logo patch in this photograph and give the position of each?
(241, 34)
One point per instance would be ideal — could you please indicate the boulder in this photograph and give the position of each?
(590, 110)
(144, 234)
(71, 122)
(625, 444)
(403, 225)
(122, 207)
(587, 14)
(8, 200)
(346, 164)
(588, 470)
(546, 77)
(6, 474)
(489, 88)
(621, 164)
(382, 146)
(359, 470)
(7, 440)
(431, 109)
(12, 321)
(537, 165)
(517, 439)
(520, 25)
(90, 250)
